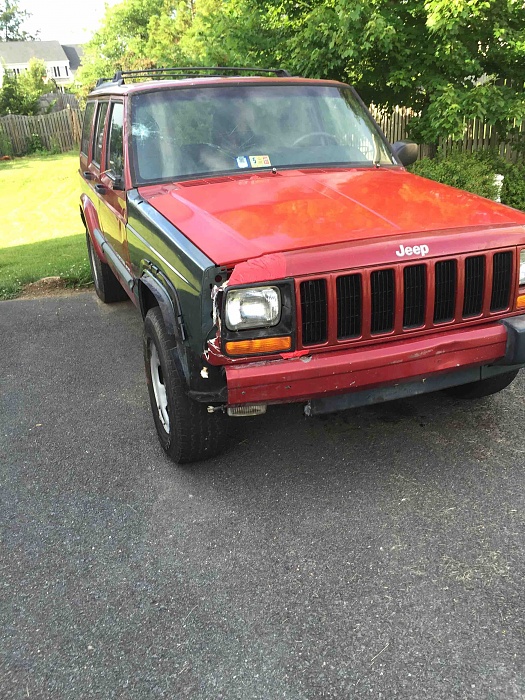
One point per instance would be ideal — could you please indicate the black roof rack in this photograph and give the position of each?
(188, 72)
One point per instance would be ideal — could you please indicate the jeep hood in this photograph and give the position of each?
(246, 216)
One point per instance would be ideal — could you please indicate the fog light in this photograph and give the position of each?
(249, 409)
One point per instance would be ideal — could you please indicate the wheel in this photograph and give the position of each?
(485, 387)
(107, 286)
(187, 432)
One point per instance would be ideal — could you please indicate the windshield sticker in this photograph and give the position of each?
(242, 162)
(259, 161)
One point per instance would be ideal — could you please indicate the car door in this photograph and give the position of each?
(112, 195)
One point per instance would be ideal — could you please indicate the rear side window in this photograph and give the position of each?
(99, 132)
(86, 127)
(115, 148)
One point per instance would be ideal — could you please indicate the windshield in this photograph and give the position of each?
(185, 133)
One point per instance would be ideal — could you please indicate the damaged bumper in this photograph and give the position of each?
(373, 374)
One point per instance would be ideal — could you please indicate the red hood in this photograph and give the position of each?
(241, 217)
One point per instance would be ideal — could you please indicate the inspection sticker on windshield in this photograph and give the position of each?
(242, 162)
(259, 161)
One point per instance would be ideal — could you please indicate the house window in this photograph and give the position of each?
(56, 71)
(67, 72)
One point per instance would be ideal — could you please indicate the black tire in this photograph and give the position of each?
(485, 387)
(187, 432)
(107, 286)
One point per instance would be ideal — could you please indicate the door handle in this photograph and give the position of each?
(87, 175)
(101, 189)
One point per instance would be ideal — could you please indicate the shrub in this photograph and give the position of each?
(473, 172)
(34, 144)
(513, 190)
(6, 147)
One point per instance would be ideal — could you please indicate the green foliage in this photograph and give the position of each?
(62, 257)
(466, 171)
(11, 19)
(34, 145)
(475, 172)
(12, 100)
(20, 93)
(449, 60)
(513, 190)
(121, 42)
(6, 147)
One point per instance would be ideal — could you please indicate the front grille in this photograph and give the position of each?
(445, 296)
(383, 301)
(414, 302)
(349, 306)
(501, 281)
(313, 306)
(474, 286)
(406, 297)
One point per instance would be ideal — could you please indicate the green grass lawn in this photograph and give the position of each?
(41, 234)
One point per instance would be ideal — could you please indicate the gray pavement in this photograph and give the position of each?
(377, 553)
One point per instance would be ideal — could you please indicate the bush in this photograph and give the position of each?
(34, 144)
(473, 172)
(6, 147)
(513, 190)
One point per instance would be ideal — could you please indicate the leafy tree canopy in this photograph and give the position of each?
(11, 20)
(449, 60)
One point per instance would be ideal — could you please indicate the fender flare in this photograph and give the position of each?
(168, 300)
(89, 216)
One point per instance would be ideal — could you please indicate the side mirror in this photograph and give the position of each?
(406, 152)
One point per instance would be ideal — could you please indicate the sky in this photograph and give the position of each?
(67, 21)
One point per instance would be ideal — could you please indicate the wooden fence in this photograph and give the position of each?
(478, 135)
(56, 131)
(61, 131)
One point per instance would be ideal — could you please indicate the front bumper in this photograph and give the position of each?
(368, 368)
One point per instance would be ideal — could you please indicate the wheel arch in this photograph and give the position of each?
(89, 216)
(153, 291)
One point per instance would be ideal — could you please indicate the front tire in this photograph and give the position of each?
(107, 286)
(187, 432)
(485, 387)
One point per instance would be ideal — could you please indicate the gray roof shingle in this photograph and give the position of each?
(23, 51)
(74, 52)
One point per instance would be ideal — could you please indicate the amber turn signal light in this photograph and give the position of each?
(258, 346)
(520, 302)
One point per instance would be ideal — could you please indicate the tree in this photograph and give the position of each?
(11, 98)
(450, 60)
(11, 19)
(20, 93)
(121, 41)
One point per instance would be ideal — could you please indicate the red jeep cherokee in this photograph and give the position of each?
(279, 252)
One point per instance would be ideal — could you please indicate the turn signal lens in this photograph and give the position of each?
(522, 268)
(259, 345)
(520, 302)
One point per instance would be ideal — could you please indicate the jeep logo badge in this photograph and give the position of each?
(414, 250)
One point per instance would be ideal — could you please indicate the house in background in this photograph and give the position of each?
(61, 61)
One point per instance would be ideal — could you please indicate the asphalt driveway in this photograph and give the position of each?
(377, 553)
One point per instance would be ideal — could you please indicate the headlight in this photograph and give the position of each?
(254, 307)
(522, 268)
